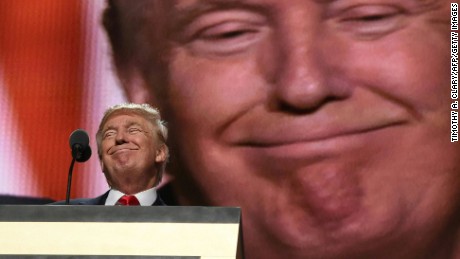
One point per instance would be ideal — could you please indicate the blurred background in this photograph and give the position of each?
(55, 76)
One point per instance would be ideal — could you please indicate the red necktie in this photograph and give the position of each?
(128, 200)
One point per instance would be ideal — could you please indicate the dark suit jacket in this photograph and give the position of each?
(100, 200)
(25, 200)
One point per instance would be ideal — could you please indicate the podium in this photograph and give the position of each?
(159, 232)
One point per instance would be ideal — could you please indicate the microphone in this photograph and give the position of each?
(79, 143)
(81, 152)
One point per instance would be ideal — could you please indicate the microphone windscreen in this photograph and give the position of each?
(85, 155)
(80, 137)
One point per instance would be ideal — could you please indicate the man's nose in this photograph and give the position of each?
(304, 77)
(121, 137)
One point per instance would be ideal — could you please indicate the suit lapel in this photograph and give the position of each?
(100, 200)
(158, 201)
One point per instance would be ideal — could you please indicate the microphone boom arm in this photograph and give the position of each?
(69, 182)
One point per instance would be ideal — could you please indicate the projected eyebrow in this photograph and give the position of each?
(185, 15)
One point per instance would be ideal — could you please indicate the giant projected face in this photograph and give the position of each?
(326, 121)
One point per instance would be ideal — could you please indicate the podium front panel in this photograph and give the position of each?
(167, 232)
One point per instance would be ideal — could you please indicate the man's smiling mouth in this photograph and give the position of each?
(119, 150)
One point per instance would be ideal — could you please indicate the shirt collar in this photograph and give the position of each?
(146, 198)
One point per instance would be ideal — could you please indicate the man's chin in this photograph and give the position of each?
(123, 158)
(123, 166)
(298, 231)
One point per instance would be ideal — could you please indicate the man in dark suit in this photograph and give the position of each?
(131, 143)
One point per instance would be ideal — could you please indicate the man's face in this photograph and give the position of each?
(130, 149)
(326, 121)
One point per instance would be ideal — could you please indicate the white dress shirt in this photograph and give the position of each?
(145, 198)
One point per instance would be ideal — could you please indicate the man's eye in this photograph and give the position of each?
(109, 134)
(371, 21)
(226, 33)
(133, 130)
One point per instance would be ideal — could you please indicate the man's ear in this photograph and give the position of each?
(103, 171)
(161, 154)
(102, 165)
